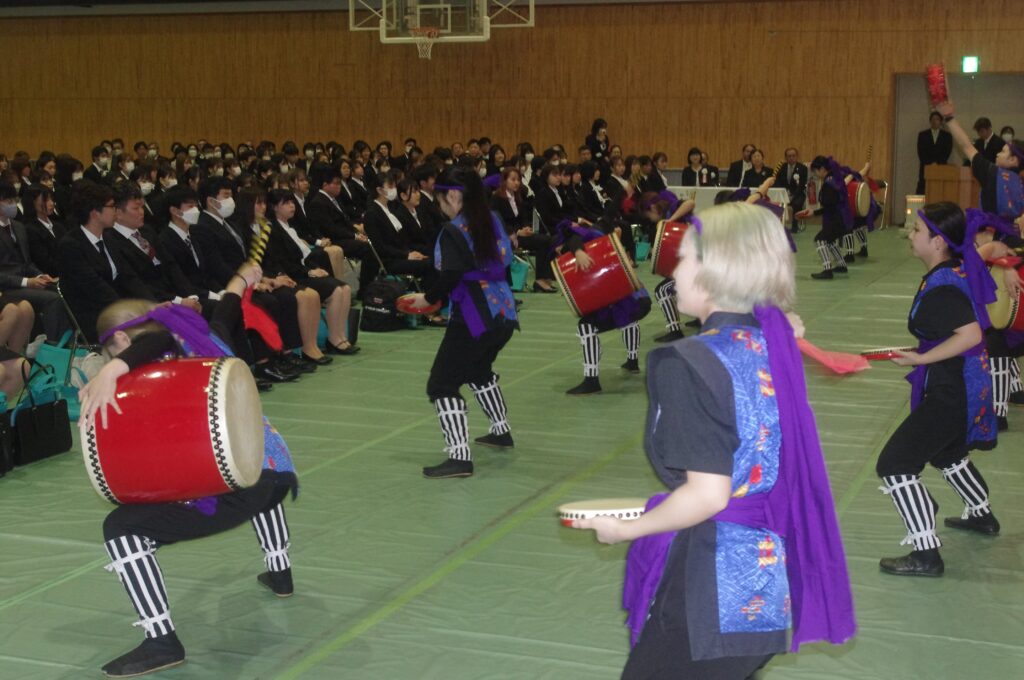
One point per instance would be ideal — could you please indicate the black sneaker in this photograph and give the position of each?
(863, 252)
(264, 385)
(823, 275)
(631, 365)
(671, 336)
(154, 654)
(278, 581)
(986, 526)
(693, 323)
(498, 441)
(1002, 424)
(449, 468)
(849, 258)
(588, 386)
(296, 364)
(917, 563)
(842, 270)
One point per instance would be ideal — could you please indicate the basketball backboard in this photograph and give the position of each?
(456, 20)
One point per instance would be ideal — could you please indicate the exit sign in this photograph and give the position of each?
(970, 65)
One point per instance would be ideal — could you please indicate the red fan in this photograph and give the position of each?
(837, 362)
(404, 305)
(935, 75)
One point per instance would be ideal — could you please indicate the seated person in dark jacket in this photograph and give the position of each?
(416, 233)
(327, 218)
(44, 231)
(430, 213)
(507, 201)
(287, 254)
(385, 232)
(758, 172)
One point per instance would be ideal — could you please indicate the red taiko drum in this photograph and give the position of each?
(859, 196)
(665, 253)
(188, 428)
(610, 279)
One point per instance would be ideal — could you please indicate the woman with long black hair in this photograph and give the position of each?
(471, 253)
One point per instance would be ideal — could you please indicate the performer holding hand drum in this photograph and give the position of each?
(136, 332)
(712, 587)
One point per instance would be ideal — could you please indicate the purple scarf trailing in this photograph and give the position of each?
(799, 507)
(980, 281)
(187, 325)
(979, 219)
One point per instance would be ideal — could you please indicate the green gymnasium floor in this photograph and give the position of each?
(402, 578)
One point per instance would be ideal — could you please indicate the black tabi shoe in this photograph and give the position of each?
(823, 275)
(519, 303)
(1002, 424)
(537, 288)
(322, 361)
(671, 336)
(334, 349)
(449, 468)
(297, 364)
(498, 441)
(917, 563)
(264, 385)
(693, 323)
(849, 258)
(270, 374)
(841, 270)
(1017, 398)
(588, 386)
(631, 365)
(987, 525)
(280, 582)
(154, 654)
(863, 252)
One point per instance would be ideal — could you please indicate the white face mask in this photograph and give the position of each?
(129, 166)
(310, 153)
(283, 169)
(170, 183)
(1008, 138)
(391, 194)
(408, 148)
(192, 153)
(229, 156)
(528, 156)
(146, 188)
(151, 153)
(190, 216)
(103, 162)
(227, 207)
(9, 210)
(482, 172)
(75, 176)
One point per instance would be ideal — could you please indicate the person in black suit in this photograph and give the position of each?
(656, 180)
(933, 147)
(43, 230)
(987, 144)
(430, 215)
(327, 218)
(415, 226)
(353, 195)
(758, 172)
(92, 277)
(508, 202)
(175, 240)
(551, 207)
(219, 242)
(737, 169)
(793, 177)
(287, 255)
(597, 142)
(594, 201)
(385, 232)
(696, 173)
(100, 168)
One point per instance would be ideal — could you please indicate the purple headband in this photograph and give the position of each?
(188, 325)
(979, 219)
(981, 283)
(449, 187)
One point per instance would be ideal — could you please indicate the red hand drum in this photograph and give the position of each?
(1006, 312)
(665, 253)
(859, 195)
(404, 305)
(621, 508)
(188, 428)
(610, 279)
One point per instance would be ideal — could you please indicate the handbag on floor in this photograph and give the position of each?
(40, 421)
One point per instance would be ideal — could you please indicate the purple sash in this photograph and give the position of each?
(918, 377)
(460, 295)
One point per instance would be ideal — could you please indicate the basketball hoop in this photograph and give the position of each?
(425, 37)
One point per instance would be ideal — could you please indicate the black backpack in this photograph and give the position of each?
(380, 314)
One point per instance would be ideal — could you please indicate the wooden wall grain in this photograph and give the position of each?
(817, 75)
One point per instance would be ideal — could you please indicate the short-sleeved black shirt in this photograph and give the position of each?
(936, 315)
(985, 171)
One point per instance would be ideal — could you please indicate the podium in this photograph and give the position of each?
(952, 183)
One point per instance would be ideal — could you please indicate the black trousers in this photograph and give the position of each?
(168, 523)
(934, 433)
(282, 307)
(462, 359)
(539, 245)
(362, 251)
(423, 270)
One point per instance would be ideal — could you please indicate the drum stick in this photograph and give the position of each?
(258, 247)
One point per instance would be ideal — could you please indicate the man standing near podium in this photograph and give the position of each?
(933, 147)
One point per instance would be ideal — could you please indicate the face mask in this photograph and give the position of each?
(236, 171)
(385, 168)
(408, 148)
(229, 156)
(266, 158)
(151, 153)
(1008, 138)
(9, 210)
(528, 156)
(284, 169)
(227, 208)
(310, 153)
(217, 154)
(192, 153)
(170, 183)
(482, 172)
(146, 188)
(129, 166)
(555, 163)
(75, 176)
(190, 216)
(391, 194)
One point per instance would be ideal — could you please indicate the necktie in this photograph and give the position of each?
(145, 245)
(234, 235)
(195, 255)
(102, 248)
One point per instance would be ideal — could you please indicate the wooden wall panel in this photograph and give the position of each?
(817, 75)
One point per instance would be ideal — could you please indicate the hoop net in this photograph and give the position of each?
(425, 37)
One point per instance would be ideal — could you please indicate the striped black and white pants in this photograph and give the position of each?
(589, 338)
(665, 294)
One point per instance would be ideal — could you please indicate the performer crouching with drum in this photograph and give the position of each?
(748, 532)
(472, 253)
(136, 332)
(951, 391)
(657, 207)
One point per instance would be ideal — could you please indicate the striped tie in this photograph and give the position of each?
(259, 244)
